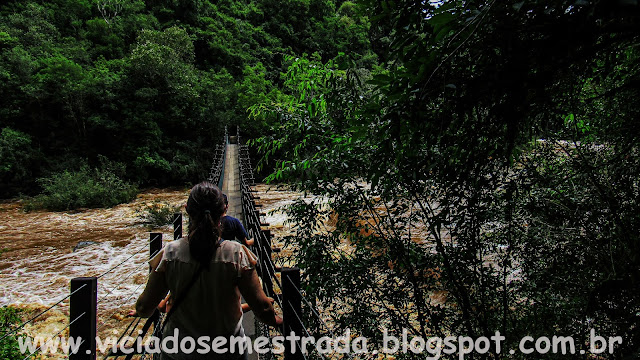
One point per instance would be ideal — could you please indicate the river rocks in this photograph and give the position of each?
(83, 244)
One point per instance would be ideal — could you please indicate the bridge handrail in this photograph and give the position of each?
(216, 174)
(291, 296)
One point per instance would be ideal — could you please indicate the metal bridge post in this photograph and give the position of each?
(155, 243)
(177, 226)
(83, 306)
(292, 310)
(155, 246)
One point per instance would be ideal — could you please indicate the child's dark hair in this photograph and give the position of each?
(205, 206)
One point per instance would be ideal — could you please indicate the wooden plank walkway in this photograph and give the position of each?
(231, 187)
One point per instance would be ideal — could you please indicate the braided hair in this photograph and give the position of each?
(205, 206)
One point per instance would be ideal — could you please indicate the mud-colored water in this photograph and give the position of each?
(38, 260)
(272, 200)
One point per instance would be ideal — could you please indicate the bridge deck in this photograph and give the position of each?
(231, 183)
(231, 187)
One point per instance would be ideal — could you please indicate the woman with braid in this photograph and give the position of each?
(206, 276)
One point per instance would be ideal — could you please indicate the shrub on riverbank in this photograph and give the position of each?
(9, 317)
(157, 214)
(85, 188)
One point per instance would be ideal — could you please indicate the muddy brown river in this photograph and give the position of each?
(37, 260)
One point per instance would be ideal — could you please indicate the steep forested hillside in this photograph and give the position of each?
(142, 88)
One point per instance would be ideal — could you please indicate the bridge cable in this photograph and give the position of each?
(333, 335)
(137, 321)
(127, 259)
(312, 308)
(33, 318)
(48, 342)
(103, 323)
(305, 329)
(121, 337)
(133, 272)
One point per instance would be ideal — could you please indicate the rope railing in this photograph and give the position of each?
(127, 332)
(216, 171)
(262, 238)
(304, 298)
(103, 323)
(155, 246)
(299, 319)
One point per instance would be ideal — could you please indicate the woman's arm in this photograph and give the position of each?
(261, 305)
(154, 292)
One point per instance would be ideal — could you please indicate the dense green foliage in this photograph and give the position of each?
(81, 189)
(16, 159)
(485, 178)
(157, 214)
(147, 84)
(9, 318)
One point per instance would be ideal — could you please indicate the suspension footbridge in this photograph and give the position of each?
(233, 173)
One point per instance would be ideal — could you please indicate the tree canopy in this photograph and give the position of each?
(147, 84)
(475, 163)
(482, 178)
